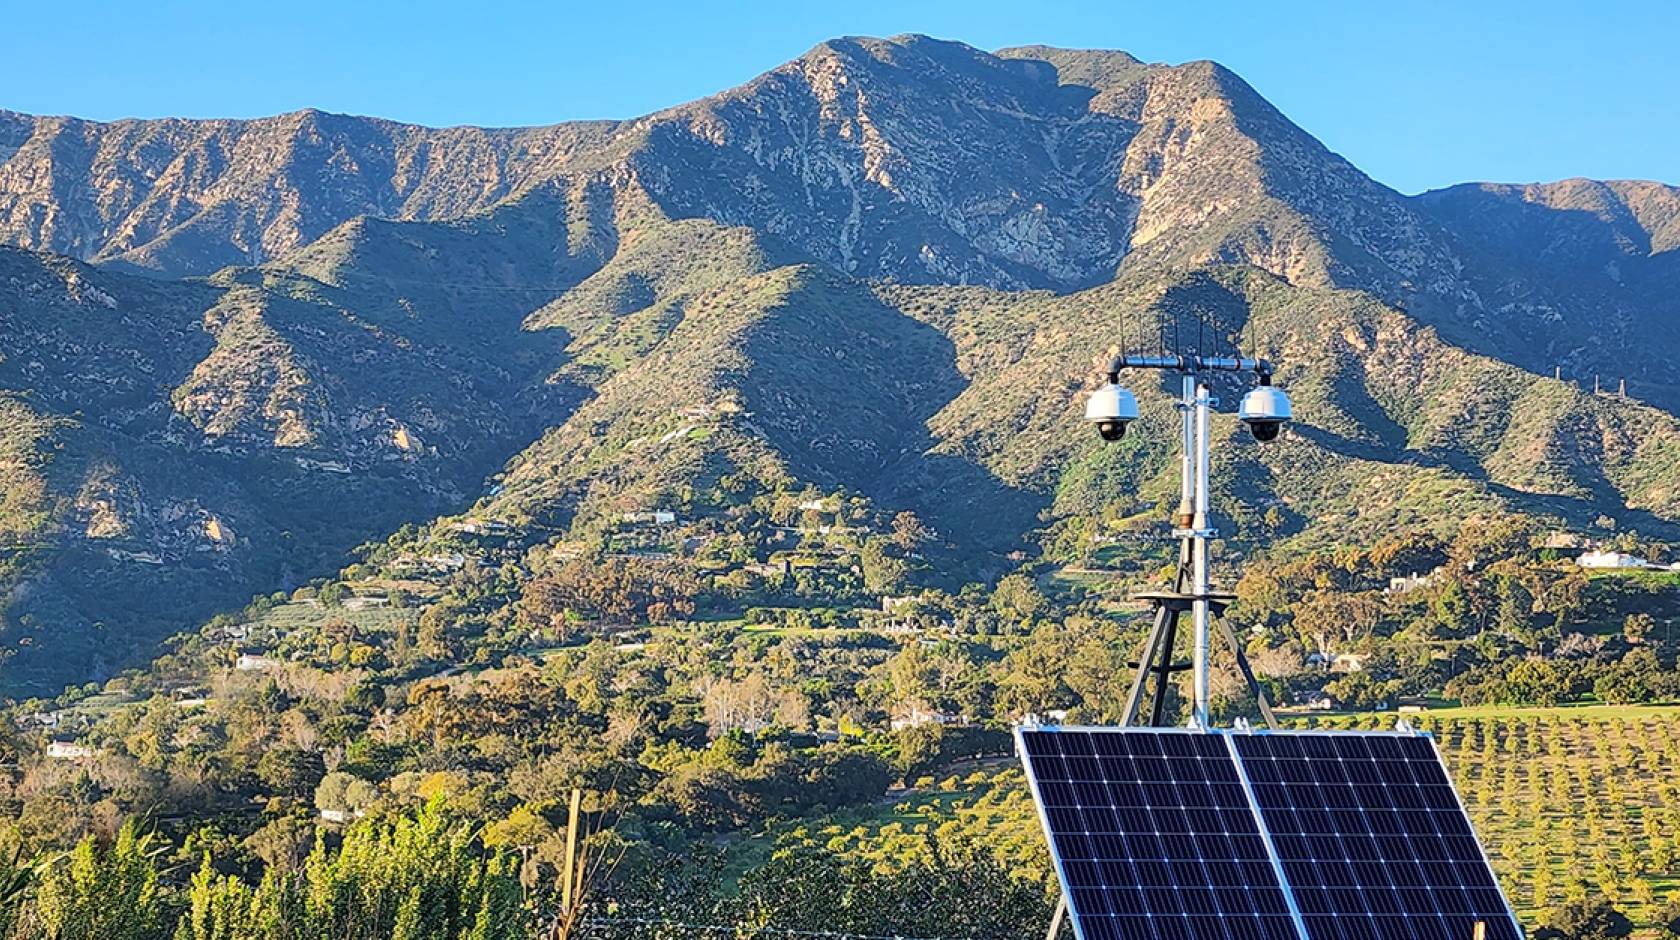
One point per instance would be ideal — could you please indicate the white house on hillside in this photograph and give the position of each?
(68, 750)
(1598, 559)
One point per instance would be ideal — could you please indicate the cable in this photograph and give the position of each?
(1201, 333)
(1178, 347)
(1124, 348)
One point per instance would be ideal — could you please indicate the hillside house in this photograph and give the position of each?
(38, 720)
(1561, 539)
(255, 662)
(891, 605)
(139, 558)
(228, 634)
(68, 750)
(649, 517)
(322, 466)
(495, 528)
(366, 601)
(1411, 582)
(1349, 662)
(1610, 560)
(769, 569)
(440, 563)
(914, 716)
(1315, 700)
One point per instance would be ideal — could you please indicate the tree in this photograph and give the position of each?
(1414, 552)
(523, 830)
(332, 594)
(102, 894)
(1637, 628)
(16, 878)
(289, 770)
(1017, 598)
(1632, 681)
(908, 532)
(747, 705)
(946, 889)
(882, 572)
(1534, 682)
(1668, 919)
(1590, 918)
(344, 793)
(221, 907)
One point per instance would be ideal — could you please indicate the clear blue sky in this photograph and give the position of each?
(1418, 94)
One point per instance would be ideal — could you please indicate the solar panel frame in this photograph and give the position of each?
(1365, 826)
(1175, 818)
(1339, 817)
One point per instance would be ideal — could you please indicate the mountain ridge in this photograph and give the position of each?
(882, 269)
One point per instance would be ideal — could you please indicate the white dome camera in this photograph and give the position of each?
(1111, 408)
(1265, 410)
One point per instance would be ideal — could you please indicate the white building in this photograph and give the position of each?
(1598, 559)
(252, 662)
(1349, 662)
(1411, 582)
(915, 716)
(68, 750)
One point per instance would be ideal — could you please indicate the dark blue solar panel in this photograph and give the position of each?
(1373, 840)
(1154, 836)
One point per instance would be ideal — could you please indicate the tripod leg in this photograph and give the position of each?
(1146, 664)
(1247, 673)
(1056, 920)
(1164, 670)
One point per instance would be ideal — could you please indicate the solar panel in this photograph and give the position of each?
(1169, 834)
(1154, 838)
(1374, 842)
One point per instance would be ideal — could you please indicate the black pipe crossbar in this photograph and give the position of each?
(1191, 364)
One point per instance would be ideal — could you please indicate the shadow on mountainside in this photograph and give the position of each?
(1585, 292)
(843, 387)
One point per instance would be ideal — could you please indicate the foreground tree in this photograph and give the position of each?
(1589, 918)
(95, 893)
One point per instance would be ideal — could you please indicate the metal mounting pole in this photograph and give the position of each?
(1192, 590)
(1200, 533)
(1184, 517)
